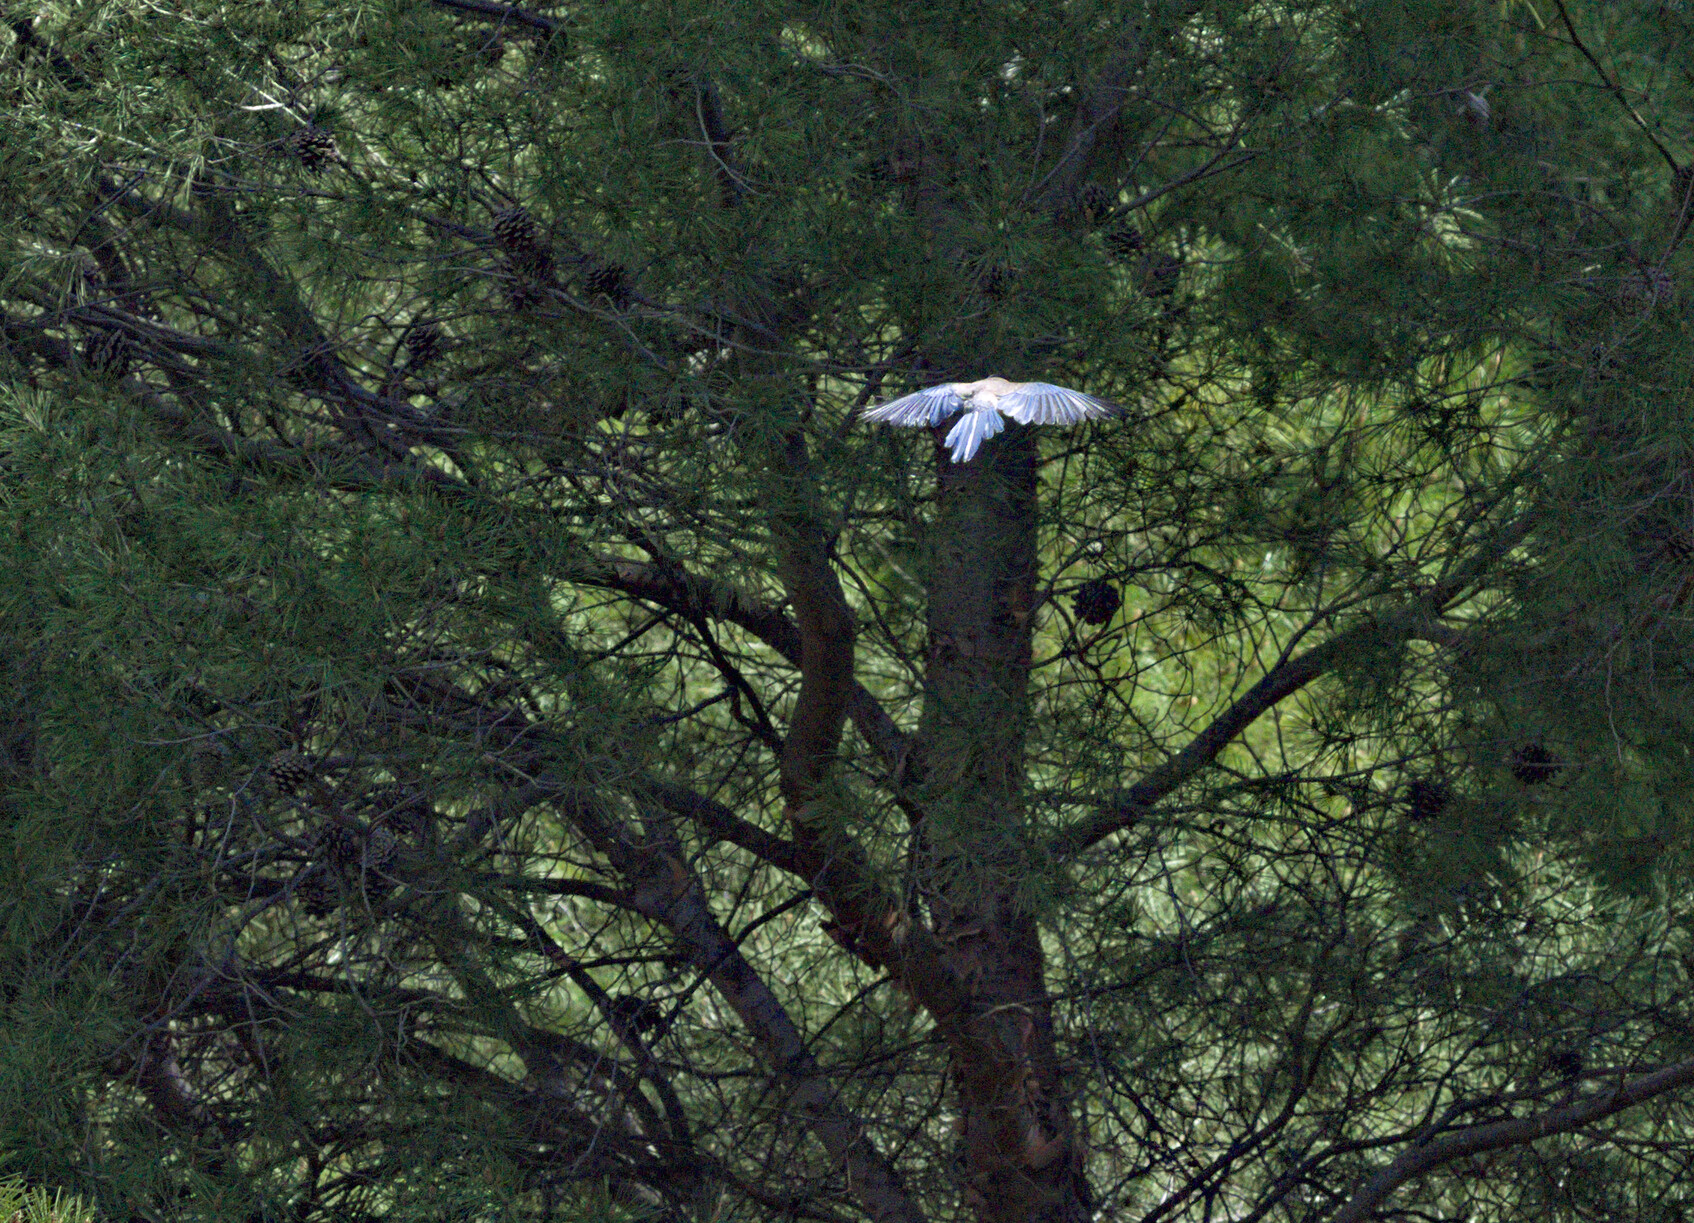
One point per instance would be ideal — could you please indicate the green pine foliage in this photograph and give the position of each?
(486, 733)
(35, 1205)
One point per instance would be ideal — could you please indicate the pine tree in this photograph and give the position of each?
(461, 796)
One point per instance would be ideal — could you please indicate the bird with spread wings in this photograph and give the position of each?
(986, 403)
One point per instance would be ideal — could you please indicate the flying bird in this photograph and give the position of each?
(984, 403)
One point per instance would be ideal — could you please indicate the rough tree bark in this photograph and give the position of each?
(1020, 1153)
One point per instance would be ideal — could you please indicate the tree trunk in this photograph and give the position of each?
(1019, 1151)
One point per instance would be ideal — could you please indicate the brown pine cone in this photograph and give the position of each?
(1096, 601)
(423, 344)
(396, 807)
(1125, 242)
(290, 772)
(1096, 202)
(612, 279)
(380, 844)
(1533, 764)
(1162, 274)
(107, 352)
(515, 230)
(338, 846)
(1426, 799)
(314, 148)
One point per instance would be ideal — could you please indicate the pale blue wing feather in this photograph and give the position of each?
(972, 429)
(930, 406)
(1042, 403)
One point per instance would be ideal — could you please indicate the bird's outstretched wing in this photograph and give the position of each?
(1042, 403)
(930, 406)
(972, 429)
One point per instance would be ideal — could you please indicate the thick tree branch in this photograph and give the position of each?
(1129, 805)
(1415, 618)
(1431, 1152)
(505, 728)
(1615, 89)
(826, 667)
(690, 595)
(505, 14)
(719, 821)
(331, 464)
(668, 893)
(313, 360)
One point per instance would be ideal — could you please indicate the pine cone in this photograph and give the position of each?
(290, 772)
(1161, 274)
(523, 293)
(897, 168)
(1648, 287)
(1677, 546)
(515, 231)
(319, 896)
(423, 344)
(338, 846)
(1533, 764)
(642, 1014)
(536, 264)
(380, 844)
(314, 148)
(396, 807)
(107, 352)
(1096, 601)
(995, 282)
(1125, 241)
(1426, 799)
(612, 279)
(1096, 202)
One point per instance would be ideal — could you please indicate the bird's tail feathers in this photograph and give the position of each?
(972, 429)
